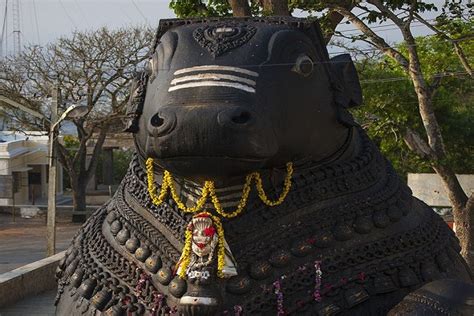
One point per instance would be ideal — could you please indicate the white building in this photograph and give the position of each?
(24, 168)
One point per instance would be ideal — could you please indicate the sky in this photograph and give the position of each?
(43, 21)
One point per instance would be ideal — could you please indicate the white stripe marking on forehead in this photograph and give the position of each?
(216, 67)
(212, 76)
(212, 84)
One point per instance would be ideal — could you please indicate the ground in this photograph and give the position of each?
(39, 305)
(24, 241)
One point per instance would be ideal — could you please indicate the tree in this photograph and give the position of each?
(92, 68)
(389, 101)
(428, 143)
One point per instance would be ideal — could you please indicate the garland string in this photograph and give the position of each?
(208, 190)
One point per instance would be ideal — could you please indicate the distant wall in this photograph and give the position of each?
(32, 279)
(429, 188)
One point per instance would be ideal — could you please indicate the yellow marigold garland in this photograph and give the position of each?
(209, 190)
(185, 258)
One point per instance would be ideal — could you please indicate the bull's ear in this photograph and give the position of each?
(348, 90)
(135, 101)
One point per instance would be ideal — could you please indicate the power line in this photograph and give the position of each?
(16, 27)
(370, 81)
(67, 14)
(356, 31)
(4, 30)
(140, 11)
(386, 25)
(392, 79)
(81, 12)
(36, 22)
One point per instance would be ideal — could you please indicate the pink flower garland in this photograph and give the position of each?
(317, 281)
(279, 295)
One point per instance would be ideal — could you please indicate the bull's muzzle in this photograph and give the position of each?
(233, 117)
(211, 130)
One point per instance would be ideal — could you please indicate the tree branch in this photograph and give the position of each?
(377, 41)
(457, 48)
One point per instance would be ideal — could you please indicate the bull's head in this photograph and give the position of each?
(226, 97)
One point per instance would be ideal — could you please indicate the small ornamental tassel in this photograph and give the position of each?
(317, 283)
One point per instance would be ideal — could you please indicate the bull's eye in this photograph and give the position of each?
(149, 67)
(304, 65)
(152, 66)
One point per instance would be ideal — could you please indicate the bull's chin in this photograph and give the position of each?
(224, 170)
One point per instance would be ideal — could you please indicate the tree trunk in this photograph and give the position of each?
(462, 211)
(463, 225)
(78, 201)
(276, 7)
(240, 7)
(434, 149)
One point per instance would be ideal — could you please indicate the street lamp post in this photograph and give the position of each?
(51, 215)
(74, 111)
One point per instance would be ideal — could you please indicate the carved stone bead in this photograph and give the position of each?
(239, 285)
(87, 288)
(327, 309)
(381, 220)
(72, 255)
(76, 278)
(342, 232)
(324, 240)
(301, 249)
(123, 236)
(260, 270)
(115, 227)
(101, 298)
(111, 217)
(142, 253)
(71, 268)
(355, 295)
(177, 287)
(164, 275)
(280, 258)
(132, 244)
(384, 284)
(363, 225)
(153, 263)
(394, 213)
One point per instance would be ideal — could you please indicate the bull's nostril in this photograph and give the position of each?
(162, 122)
(242, 118)
(157, 121)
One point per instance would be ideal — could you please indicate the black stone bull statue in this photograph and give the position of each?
(253, 192)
